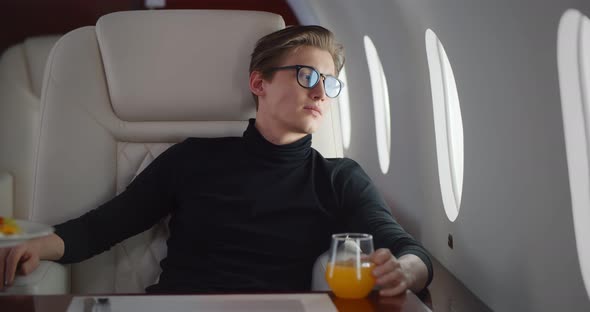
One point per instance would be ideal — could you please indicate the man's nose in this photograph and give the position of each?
(319, 92)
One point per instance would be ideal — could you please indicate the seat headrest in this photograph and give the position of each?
(184, 65)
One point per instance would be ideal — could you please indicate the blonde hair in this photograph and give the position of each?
(271, 48)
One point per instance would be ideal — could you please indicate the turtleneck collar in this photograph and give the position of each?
(292, 152)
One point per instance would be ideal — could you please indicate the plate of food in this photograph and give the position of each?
(14, 232)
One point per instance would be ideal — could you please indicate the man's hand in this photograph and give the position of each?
(395, 276)
(22, 259)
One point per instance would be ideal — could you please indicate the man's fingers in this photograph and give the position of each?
(381, 256)
(386, 267)
(3, 254)
(390, 279)
(28, 265)
(393, 283)
(399, 289)
(12, 260)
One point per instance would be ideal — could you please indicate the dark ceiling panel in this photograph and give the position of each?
(20, 19)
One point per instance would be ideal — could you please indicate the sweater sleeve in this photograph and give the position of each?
(367, 212)
(145, 201)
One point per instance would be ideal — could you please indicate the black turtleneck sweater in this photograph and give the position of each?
(246, 215)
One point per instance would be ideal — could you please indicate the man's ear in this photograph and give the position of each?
(257, 83)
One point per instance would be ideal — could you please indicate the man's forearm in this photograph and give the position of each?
(416, 270)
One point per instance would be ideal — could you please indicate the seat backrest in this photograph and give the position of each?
(118, 94)
(21, 77)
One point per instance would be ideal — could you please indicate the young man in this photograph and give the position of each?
(250, 213)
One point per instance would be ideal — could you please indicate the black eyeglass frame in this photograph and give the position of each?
(322, 77)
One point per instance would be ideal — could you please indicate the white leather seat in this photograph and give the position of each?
(118, 94)
(21, 77)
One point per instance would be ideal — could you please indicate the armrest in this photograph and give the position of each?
(318, 277)
(6, 194)
(49, 278)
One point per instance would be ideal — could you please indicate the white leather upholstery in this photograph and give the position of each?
(36, 51)
(208, 70)
(21, 78)
(318, 279)
(116, 95)
(21, 75)
(138, 258)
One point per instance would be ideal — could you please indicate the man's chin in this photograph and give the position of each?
(306, 126)
(311, 126)
(310, 129)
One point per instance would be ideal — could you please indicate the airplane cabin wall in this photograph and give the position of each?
(514, 243)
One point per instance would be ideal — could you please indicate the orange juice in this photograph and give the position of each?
(348, 281)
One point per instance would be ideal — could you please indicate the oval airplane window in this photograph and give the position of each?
(344, 107)
(380, 103)
(573, 59)
(448, 125)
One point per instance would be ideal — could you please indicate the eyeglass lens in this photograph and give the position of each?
(308, 78)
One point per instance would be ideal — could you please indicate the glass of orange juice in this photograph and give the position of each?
(349, 270)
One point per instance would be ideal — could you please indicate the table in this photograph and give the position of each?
(374, 302)
(445, 294)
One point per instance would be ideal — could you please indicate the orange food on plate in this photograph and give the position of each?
(8, 226)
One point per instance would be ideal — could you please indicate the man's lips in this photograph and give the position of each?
(317, 109)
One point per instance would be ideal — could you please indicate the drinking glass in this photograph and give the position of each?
(349, 270)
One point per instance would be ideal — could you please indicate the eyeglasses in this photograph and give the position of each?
(308, 77)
